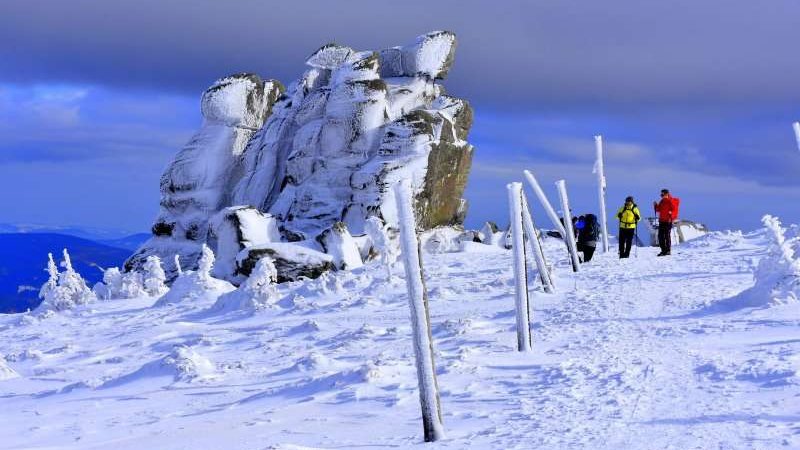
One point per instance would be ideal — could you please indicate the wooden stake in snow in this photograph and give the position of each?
(796, 127)
(599, 169)
(520, 268)
(569, 238)
(420, 317)
(551, 213)
(536, 246)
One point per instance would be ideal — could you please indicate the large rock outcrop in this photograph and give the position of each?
(329, 149)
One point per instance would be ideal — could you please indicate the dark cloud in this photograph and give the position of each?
(518, 54)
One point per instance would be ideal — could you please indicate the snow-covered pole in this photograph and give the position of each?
(520, 269)
(420, 317)
(796, 127)
(551, 213)
(536, 245)
(569, 238)
(599, 168)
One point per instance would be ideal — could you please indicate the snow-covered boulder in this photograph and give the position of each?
(199, 180)
(337, 242)
(432, 55)
(353, 125)
(236, 228)
(291, 260)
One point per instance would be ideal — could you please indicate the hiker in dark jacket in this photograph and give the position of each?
(666, 214)
(628, 217)
(587, 238)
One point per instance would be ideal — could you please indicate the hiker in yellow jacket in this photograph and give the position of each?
(628, 217)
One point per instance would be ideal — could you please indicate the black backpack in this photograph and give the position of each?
(590, 231)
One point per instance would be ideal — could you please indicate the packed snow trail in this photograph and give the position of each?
(643, 353)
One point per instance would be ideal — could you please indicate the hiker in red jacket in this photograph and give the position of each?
(666, 214)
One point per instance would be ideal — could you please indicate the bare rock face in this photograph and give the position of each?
(327, 150)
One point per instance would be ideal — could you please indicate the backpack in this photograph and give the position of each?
(676, 204)
(591, 230)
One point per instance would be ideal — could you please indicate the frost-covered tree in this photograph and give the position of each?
(205, 264)
(256, 293)
(111, 285)
(131, 285)
(178, 267)
(378, 233)
(154, 277)
(70, 291)
(52, 281)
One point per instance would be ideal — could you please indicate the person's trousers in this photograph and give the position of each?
(625, 240)
(665, 236)
(588, 252)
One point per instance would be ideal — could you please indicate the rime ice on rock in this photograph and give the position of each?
(353, 125)
(337, 242)
(199, 180)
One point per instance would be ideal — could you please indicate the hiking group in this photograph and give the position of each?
(587, 229)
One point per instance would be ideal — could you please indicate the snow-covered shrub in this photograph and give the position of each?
(70, 290)
(154, 278)
(777, 277)
(111, 285)
(381, 243)
(52, 281)
(131, 285)
(196, 286)
(256, 293)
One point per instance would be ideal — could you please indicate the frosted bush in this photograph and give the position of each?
(52, 281)
(196, 286)
(777, 276)
(381, 243)
(154, 278)
(256, 293)
(70, 289)
(131, 285)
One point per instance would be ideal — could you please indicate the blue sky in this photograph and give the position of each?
(697, 98)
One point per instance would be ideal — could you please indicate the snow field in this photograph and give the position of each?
(643, 353)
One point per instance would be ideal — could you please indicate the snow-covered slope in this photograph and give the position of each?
(643, 353)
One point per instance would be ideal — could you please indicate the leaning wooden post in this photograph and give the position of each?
(520, 269)
(536, 245)
(569, 238)
(601, 188)
(548, 208)
(420, 317)
(796, 127)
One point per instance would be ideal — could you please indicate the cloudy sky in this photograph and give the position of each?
(97, 96)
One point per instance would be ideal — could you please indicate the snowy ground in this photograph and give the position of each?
(644, 353)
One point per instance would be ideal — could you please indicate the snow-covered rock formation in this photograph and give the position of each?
(355, 123)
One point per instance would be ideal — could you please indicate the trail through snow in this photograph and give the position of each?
(643, 353)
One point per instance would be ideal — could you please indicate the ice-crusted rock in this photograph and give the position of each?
(330, 147)
(200, 179)
(236, 228)
(337, 242)
(431, 55)
(292, 261)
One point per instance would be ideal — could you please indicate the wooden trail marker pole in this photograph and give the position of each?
(420, 316)
(599, 168)
(569, 238)
(536, 246)
(520, 269)
(548, 208)
(796, 127)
